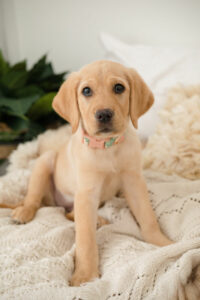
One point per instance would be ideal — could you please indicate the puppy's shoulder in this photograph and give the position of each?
(131, 138)
(54, 139)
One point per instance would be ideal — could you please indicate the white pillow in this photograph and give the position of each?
(161, 68)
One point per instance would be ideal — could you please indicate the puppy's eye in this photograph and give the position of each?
(87, 92)
(118, 88)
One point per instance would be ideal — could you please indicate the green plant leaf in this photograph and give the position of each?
(21, 66)
(25, 131)
(8, 112)
(17, 107)
(47, 72)
(18, 124)
(4, 66)
(9, 136)
(37, 69)
(53, 83)
(26, 98)
(28, 90)
(14, 79)
(42, 107)
(34, 130)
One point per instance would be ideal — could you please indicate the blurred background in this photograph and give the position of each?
(43, 41)
(68, 30)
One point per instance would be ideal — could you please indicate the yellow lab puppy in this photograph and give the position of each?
(101, 158)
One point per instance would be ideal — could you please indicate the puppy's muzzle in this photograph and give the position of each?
(104, 116)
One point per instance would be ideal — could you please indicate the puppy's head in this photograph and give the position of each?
(103, 95)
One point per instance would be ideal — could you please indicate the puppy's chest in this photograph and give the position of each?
(111, 186)
(107, 161)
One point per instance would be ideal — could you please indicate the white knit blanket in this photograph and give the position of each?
(37, 259)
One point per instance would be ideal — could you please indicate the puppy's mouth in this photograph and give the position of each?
(105, 130)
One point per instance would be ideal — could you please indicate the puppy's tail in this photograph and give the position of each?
(12, 206)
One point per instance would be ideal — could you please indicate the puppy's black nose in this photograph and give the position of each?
(104, 115)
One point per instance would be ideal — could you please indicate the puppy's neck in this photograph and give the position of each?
(103, 143)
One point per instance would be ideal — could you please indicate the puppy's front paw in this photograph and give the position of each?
(23, 214)
(80, 277)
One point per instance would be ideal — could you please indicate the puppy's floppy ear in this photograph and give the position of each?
(65, 102)
(141, 98)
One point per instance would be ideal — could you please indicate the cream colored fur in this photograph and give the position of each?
(175, 147)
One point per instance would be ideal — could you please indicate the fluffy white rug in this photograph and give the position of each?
(37, 259)
(175, 147)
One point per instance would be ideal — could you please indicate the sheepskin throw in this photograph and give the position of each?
(175, 147)
(37, 259)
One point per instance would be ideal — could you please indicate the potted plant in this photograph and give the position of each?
(26, 101)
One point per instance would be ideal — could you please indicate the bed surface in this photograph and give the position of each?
(37, 259)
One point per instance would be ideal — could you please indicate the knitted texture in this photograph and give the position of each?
(37, 259)
(175, 146)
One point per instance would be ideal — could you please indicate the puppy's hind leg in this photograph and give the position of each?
(37, 186)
